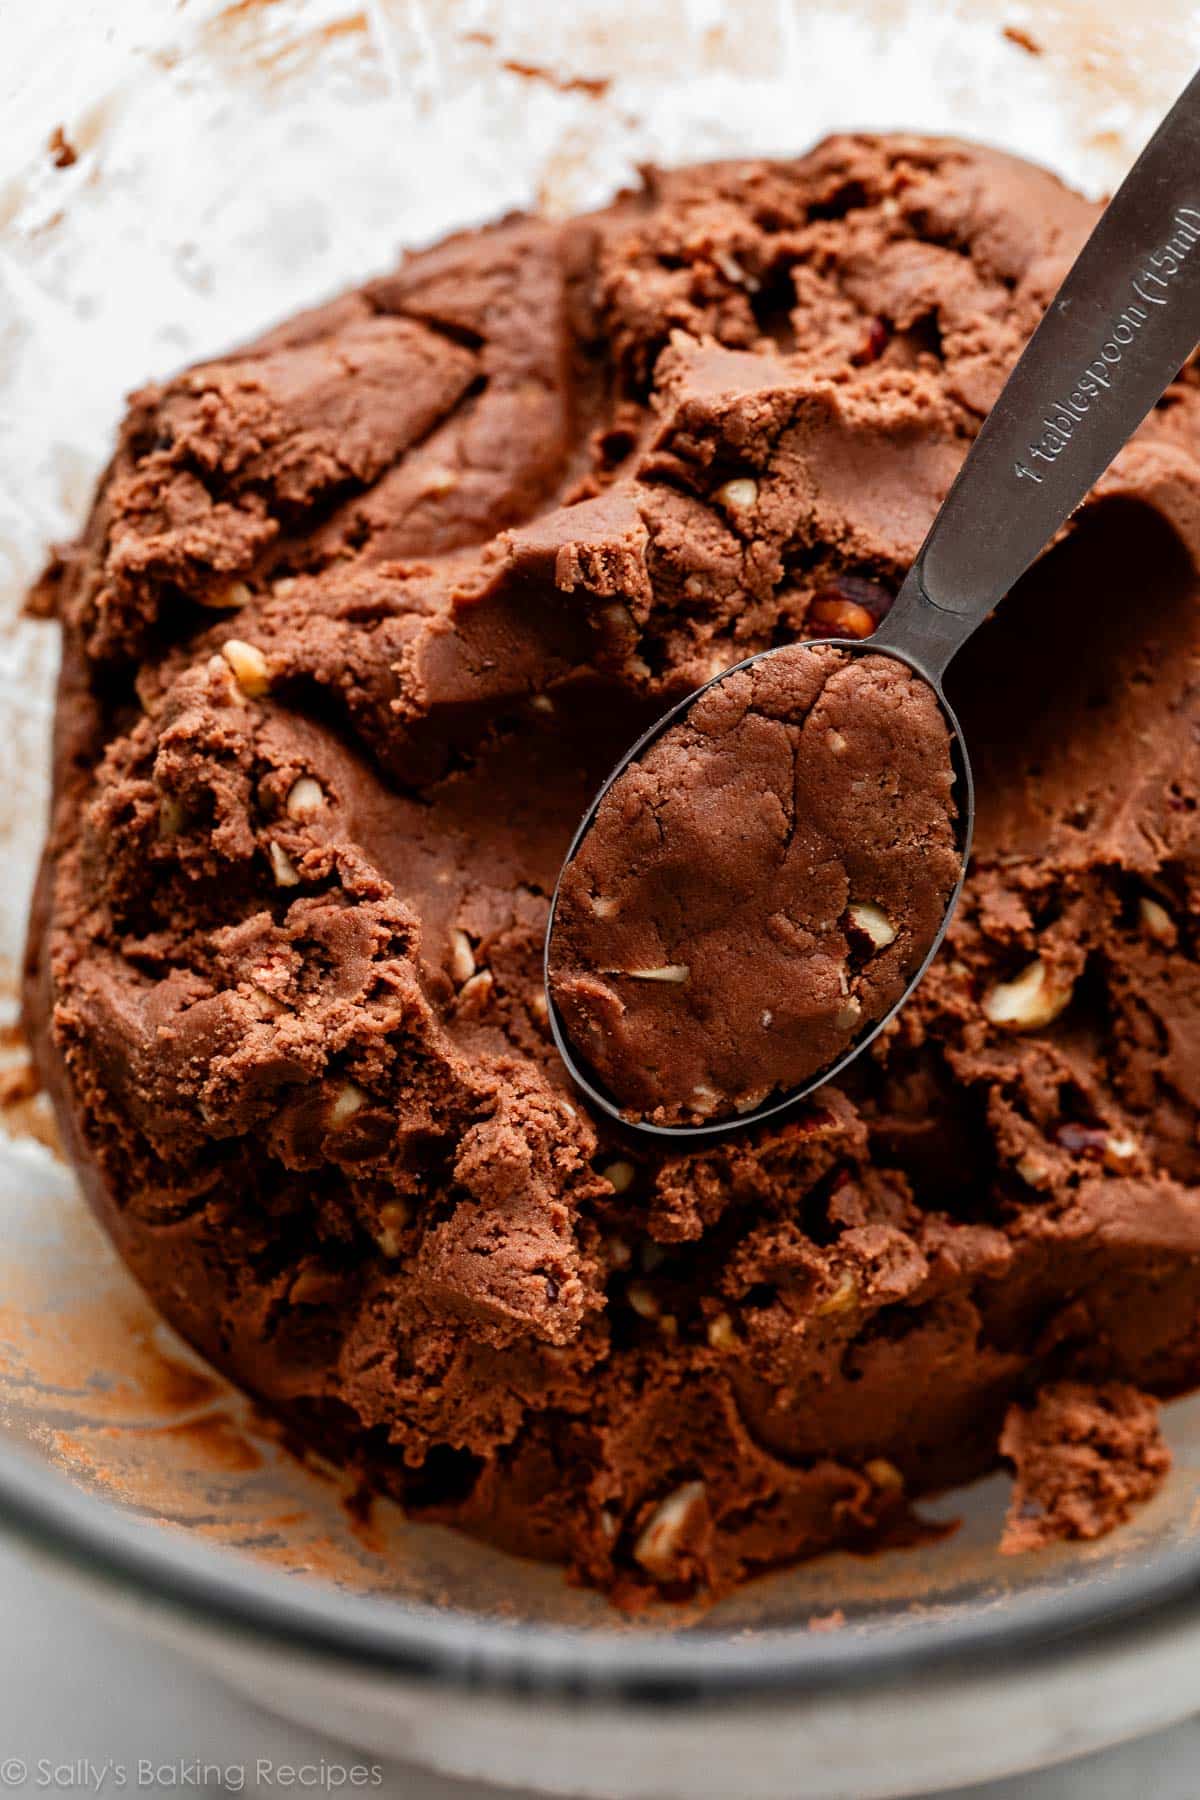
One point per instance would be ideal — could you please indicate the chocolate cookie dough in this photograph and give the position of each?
(760, 887)
(1085, 1459)
(362, 616)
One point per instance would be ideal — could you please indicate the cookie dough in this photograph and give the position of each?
(362, 616)
(1085, 1459)
(760, 887)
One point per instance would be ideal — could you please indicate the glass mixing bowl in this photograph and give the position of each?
(213, 170)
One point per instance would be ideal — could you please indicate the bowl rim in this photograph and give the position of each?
(1097, 1612)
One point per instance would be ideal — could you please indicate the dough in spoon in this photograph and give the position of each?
(759, 888)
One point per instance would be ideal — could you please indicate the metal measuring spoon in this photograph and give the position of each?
(1123, 323)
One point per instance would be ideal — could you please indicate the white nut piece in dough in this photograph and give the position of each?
(305, 797)
(873, 922)
(849, 1015)
(462, 957)
(739, 494)
(249, 666)
(721, 1334)
(394, 1219)
(227, 598)
(346, 1102)
(666, 1531)
(283, 868)
(1156, 921)
(1030, 1000)
(476, 993)
(676, 973)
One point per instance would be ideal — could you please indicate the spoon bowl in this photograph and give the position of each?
(583, 1074)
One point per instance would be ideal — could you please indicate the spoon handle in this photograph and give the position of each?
(1124, 321)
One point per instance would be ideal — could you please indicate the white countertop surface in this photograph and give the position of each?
(83, 1701)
